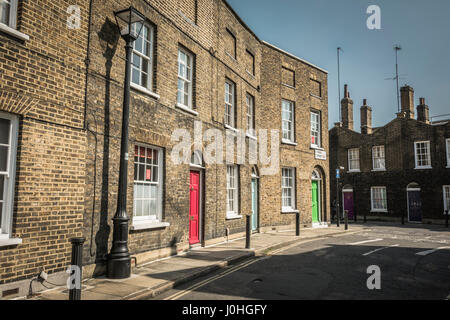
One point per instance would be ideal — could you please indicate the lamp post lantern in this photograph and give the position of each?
(130, 23)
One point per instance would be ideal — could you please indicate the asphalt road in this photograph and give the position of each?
(414, 263)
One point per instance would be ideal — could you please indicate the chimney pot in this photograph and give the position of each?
(422, 101)
(423, 112)
(364, 102)
(347, 110)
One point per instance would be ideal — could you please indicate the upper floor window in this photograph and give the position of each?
(250, 62)
(287, 77)
(250, 115)
(422, 154)
(232, 190)
(230, 43)
(287, 120)
(287, 189)
(8, 12)
(185, 67)
(378, 199)
(447, 142)
(189, 8)
(230, 101)
(378, 158)
(316, 88)
(353, 159)
(315, 129)
(148, 183)
(142, 61)
(8, 145)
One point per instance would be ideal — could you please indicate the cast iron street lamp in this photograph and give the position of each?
(130, 23)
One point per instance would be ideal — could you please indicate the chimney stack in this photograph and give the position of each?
(366, 118)
(347, 109)
(423, 112)
(407, 99)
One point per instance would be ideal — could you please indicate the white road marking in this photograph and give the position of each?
(427, 252)
(379, 249)
(365, 241)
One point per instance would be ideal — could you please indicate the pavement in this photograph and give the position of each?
(154, 278)
(413, 262)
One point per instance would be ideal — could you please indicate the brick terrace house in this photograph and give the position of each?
(196, 66)
(400, 169)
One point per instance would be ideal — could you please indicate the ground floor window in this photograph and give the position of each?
(148, 164)
(8, 144)
(379, 199)
(446, 198)
(232, 190)
(288, 189)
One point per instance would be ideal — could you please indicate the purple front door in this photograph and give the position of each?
(348, 203)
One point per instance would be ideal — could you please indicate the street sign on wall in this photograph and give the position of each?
(320, 155)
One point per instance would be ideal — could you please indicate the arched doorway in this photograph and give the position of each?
(347, 201)
(196, 197)
(316, 190)
(414, 203)
(255, 199)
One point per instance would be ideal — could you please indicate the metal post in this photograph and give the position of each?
(365, 217)
(354, 215)
(346, 219)
(248, 231)
(119, 260)
(337, 203)
(297, 224)
(446, 218)
(403, 218)
(77, 260)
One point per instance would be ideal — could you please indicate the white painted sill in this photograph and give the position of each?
(288, 142)
(10, 242)
(378, 170)
(423, 168)
(378, 211)
(317, 148)
(251, 136)
(233, 216)
(186, 109)
(13, 32)
(144, 90)
(353, 171)
(234, 130)
(289, 210)
(149, 225)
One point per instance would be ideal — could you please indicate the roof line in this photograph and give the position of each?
(293, 56)
(240, 20)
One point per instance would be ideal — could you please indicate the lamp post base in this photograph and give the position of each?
(119, 267)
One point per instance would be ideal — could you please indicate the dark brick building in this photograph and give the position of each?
(400, 169)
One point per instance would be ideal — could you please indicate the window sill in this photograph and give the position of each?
(251, 136)
(144, 90)
(234, 130)
(378, 170)
(186, 109)
(233, 216)
(10, 242)
(378, 211)
(288, 85)
(313, 95)
(423, 168)
(13, 32)
(317, 148)
(149, 225)
(234, 59)
(250, 74)
(353, 171)
(289, 210)
(289, 142)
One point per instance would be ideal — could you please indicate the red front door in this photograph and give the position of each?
(194, 208)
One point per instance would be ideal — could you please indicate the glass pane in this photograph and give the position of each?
(146, 207)
(138, 44)
(135, 76)
(4, 12)
(155, 157)
(3, 159)
(4, 129)
(2, 184)
(141, 176)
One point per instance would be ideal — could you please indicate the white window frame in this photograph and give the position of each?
(288, 124)
(446, 197)
(150, 219)
(378, 158)
(250, 102)
(447, 143)
(9, 177)
(233, 190)
(148, 87)
(428, 166)
(288, 175)
(352, 159)
(189, 71)
(385, 207)
(12, 23)
(230, 114)
(316, 129)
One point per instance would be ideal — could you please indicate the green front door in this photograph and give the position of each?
(315, 201)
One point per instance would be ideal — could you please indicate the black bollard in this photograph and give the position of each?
(346, 219)
(297, 224)
(403, 218)
(354, 216)
(77, 260)
(365, 217)
(446, 218)
(248, 232)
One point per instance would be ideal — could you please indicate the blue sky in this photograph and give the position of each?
(313, 29)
